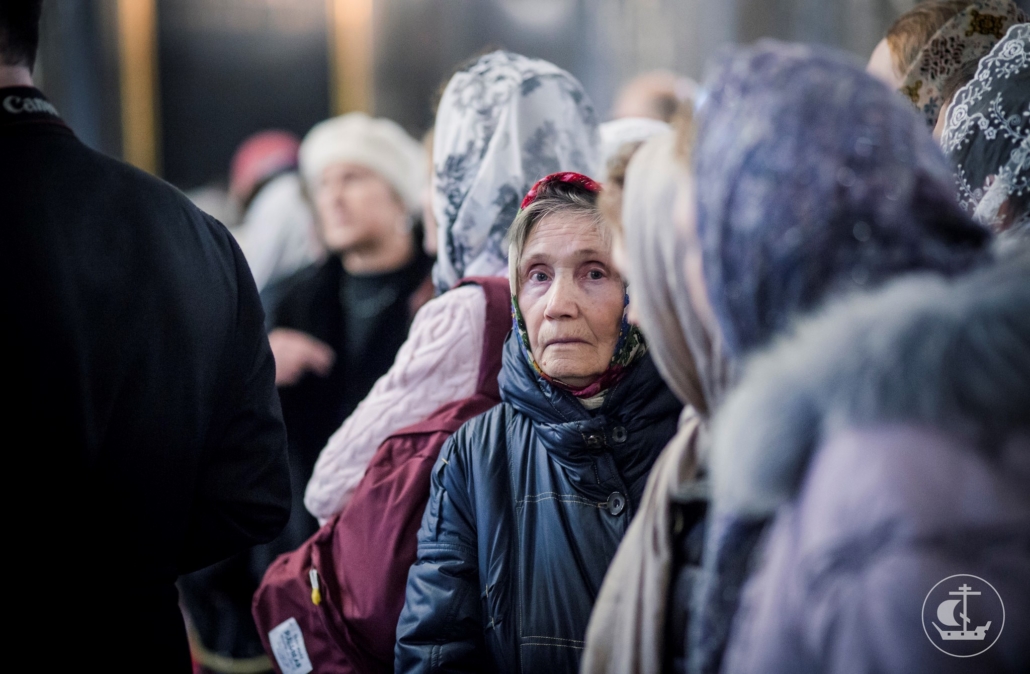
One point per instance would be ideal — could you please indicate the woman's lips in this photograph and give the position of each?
(565, 341)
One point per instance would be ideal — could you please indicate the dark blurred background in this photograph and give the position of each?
(174, 85)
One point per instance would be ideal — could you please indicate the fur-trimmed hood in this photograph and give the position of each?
(925, 351)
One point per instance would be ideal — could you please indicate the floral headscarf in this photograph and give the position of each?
(812, 178)
(966, 37)
(503, 123)
(630, 345)
(987, 131)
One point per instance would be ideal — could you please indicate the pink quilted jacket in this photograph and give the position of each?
(438, 364)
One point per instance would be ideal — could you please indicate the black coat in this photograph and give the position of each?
(141, 392)
(316, 302)
(528, 504)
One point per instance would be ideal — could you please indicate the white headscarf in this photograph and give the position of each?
(503, 123)
(690, 360)
(619, 132)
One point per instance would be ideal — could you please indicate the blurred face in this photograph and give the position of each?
(571, 298)
(357, 209)
(882, 67)
(428, 223)
(686, 220)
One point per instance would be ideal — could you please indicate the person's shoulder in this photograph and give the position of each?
(483, 439)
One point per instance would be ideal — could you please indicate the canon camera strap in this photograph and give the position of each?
(27, 105)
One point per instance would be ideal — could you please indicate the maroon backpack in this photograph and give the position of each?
(332, 605)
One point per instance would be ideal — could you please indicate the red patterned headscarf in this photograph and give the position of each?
(566, 177)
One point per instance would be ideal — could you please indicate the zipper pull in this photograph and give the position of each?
(316, 594)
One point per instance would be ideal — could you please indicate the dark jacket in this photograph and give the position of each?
(527, 506)
(890, 439)
(141, 391)
(354, 628)
(316, 301)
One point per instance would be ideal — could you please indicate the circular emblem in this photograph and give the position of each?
(963, 615)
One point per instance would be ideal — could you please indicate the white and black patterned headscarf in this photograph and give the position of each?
(503, 123)
(987, 134)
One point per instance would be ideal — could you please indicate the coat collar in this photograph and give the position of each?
(566, 428)
(27, 106)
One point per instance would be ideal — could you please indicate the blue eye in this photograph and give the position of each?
(538, 276)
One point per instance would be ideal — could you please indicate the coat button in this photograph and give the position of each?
(616, 503)
(594, 441)
(619, 434)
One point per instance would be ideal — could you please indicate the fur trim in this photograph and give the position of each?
(953, 355)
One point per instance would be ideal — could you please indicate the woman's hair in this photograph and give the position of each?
(913, 29)
(553, 198)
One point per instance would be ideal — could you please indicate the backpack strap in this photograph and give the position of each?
(498, 325)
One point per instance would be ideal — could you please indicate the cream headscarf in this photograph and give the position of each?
(626, 631)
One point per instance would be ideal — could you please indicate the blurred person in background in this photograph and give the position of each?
(618, 133)
(340, 322)
(987, 137)
(655, 95)
(897, 51)
(529, 500)
(143, 369)
(927, 45)
(632, 617)
(429, 229)
(503, 122)
(277, 232)
(811, 181)
(889, 439)
(965, 38)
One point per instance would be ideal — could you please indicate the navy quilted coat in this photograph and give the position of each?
(527, 506)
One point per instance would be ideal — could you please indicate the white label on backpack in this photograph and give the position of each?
(288, 648)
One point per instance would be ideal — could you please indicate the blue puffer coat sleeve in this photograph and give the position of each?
(441, 627)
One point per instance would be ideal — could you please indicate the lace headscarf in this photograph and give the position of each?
(966, 37)
(987, 134)
(503, 123)
(813, 178)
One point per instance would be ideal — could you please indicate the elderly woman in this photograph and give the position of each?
(530, 500)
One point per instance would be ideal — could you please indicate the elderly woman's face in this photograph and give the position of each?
(571, 298)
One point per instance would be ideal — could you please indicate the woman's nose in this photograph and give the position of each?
(563, 301)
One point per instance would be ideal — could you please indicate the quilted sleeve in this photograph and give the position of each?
(441, 626)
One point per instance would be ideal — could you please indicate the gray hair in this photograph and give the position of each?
(554, 199)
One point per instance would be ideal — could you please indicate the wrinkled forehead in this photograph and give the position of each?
(566, 239)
